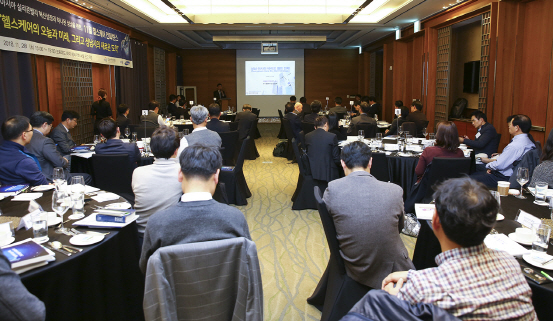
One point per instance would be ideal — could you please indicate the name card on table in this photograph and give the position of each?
(528, 220)
(391, 147)
(415, 148)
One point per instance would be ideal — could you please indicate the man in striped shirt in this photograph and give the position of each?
(471, 281)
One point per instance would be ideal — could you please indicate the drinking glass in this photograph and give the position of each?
(431, 136)
(497, 197)
(134, 136)
(379, 136)
(400, 131)
(186, 131)
(127, 132)
(424, 132)
(541, 191)
(60, 204)
(40, 226)
(58, 176)
(181, 135)
(96, 139)
(522, 178)
(77, 197)
(361, 135)
(541, 242)
(182, 117)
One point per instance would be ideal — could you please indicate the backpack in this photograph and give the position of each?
(280, 149)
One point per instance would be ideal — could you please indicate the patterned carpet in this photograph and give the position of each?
(291, 245)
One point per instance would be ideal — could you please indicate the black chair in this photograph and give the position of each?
(379, 167)
(251, 149)
(233, 126)
(370, 130)
(496, 143)
(410, 127)
(336, 292)
(142, 130)
(235, 182)
(281, 133)
(340, 116)
(113, 173)
(182, 127)
(229, 141)
(290, 134)
(303, 195)
(257, 134)
(307, 127)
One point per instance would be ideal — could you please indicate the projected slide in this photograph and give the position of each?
(270, 78)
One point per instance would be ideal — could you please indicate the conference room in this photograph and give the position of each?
(417, 71)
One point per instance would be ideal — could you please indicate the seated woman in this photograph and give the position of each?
(544, 171)
(447, 145)
(333, 126)
(397, 122)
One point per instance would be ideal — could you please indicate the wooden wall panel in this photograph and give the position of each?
(103, 76)
(206, 68)
(171, 73)
(330, 73)
(53, 83)
(388, 83)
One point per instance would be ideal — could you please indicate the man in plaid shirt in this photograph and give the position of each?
(471, 281)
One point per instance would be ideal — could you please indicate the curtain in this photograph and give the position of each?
(17, 92)
(132, 83)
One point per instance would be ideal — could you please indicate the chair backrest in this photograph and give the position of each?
(253, 128)
(379, 167)
(529, 160)
(280, 114)
(241, 155)
(443, 168)
(340, 116)
(144, 131)
(370, 129)
(330, 231)
(229, 141)
(233, 126)
(307, 127)
(221, 279)
(112, 172)
(288, 129)
(410, 127)
(496, 143)
(255, 111)
(296, 149)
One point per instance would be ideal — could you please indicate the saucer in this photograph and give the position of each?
(513, 236)
(7, 241)
(529, 260)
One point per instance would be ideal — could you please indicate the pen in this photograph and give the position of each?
(547, 276)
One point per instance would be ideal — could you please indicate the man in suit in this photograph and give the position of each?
(375, 108)
(153, 118)
(196, 217)
(108, 128)
(17, 164)
(315, 108)
(306, 109)
(219, 94)
(245, 120)
(293, 99)
(100, 109)
(324, 154)
(362, 119)
(45, 150)
(171, 107)
(215, 124)
(61, 135)
(368, 225)
(485, 139)
(200, 135)
(123, 120)
(293, 119)
(417, 116)
(338, 108)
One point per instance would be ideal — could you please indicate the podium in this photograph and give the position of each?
(224, 103)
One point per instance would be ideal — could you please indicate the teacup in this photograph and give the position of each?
(524, 234)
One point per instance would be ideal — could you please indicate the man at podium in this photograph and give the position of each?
(219, 94)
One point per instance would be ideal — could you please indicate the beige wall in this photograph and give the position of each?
(466, 42)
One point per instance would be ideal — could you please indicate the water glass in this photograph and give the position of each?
(96, 139)
(541, 243)
(379, 136)
(6, 231)
(361, 135)
(127, 132)
(431, 136)
(58, 176)
(181, 135)
(60, 204)
(40, 226)
(134, 137)
(424, 132)
(497, 197)
(182, 117)
(77, 197)
(541, 191)
(186, 131)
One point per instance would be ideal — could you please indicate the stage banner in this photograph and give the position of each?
(34, 27)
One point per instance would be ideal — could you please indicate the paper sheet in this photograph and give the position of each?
(502, 242)
(27, 197)
(424, 211)
(83, 155)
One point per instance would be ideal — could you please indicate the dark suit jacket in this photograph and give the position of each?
(177, 112)
(419, 118)
(306, 109)
(295, 124)
(216, 95)
(324, 154)
(171, 108)
(100, 109)
(339, 109)
(485, 142)
(116, 146)
(218, 126)
(310, 118)
(374, 109)
(123, 122)
(368, 226)
(45, 151)
(361, 119)
(63, 139)
(245, 121)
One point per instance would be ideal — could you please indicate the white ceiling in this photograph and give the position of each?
(242, 24)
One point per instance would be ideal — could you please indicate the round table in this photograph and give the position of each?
(103, 282)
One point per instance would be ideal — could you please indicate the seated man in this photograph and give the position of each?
(374, 107)
(315, 109)
(61, 135)
(485, 139)
(108, 128)
(196, 217)
(338, 108)
(149, 198)
(471, 280)
(306, 109)
(45, 150)
(293, 119)
(123, 120)
(501, 168)
(200, 135)
(17, 164)
(368, 226)
(417, 116)
(153, 118)
(214, 123)
(323, 152)
(245, 120)
(364, 118)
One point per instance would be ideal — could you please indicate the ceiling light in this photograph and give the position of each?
(378, 10)
(157, 10)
